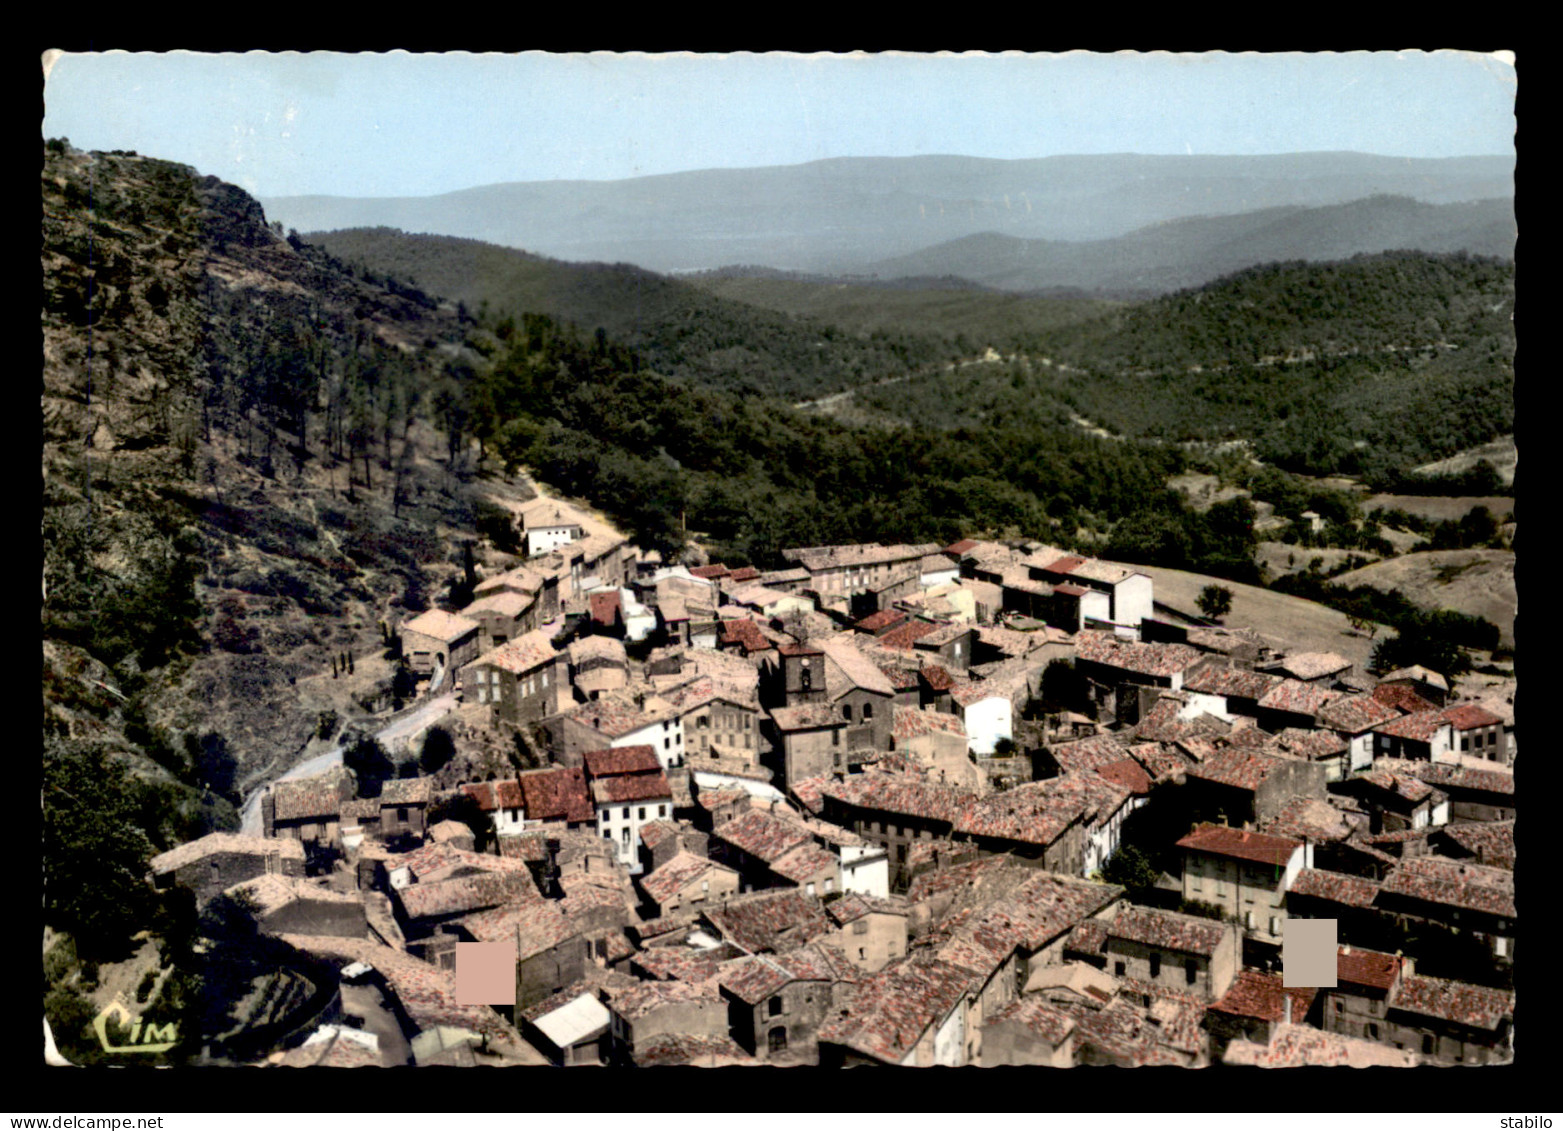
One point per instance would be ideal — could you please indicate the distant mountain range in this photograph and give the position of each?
(1188, 253)
(836, 215)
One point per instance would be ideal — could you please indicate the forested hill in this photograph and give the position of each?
(671, 327)
(1374, 364)
(1196, 250)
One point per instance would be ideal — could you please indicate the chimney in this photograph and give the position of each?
(1346, 949)
(1286, 1007)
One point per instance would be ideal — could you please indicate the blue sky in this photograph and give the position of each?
(408, 125)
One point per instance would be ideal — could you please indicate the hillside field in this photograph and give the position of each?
(1476, 582)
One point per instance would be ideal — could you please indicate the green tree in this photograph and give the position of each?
(1215, 601)
(1132, 869)
(438, 749)
(369, 761)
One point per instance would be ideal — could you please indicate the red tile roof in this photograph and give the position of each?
(1370, 968)
(779, 920)
(1160, 660)
(1491, 842)
(1479, 1007)
(744, 573)
(1337, 887)
(684, 868)
(1240, 769)
(886, 1015)
(762, 835)
(882, 619)
(1402, 698)
(746, 634)
(1129, 774)
(1240, 844)
(708, 572)
(1469, 887)
(1166, 929)
(937, 678)
(621, 760)
(1420, 727)
(1298, 698)
(911, 722)
(959, 548)
(627, 788)
(1356, 714)
(905, 637)
(1312, 744)
(1233, 682)
(1260, 995)
(556, 794)
(1468, 716)
(1458, 777)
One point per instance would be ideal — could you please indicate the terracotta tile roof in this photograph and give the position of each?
(961, 547)
(1401, 785)
(885, 1015)
(709, 572)
(1478, 1007)
(648, 997)
(905, 638)
(214, 843)
(1159, 660)
(1162, 763)
(854, 905)
(687, 1050)
(1449, 883)
(427, 993)
(746, 634)
(779, 920)
(1491, 842)
(1457, 777)
(1337, 887)
(527, 846)
(1303, 1046)
(805, 863)
(859, 670)
(406, 791)
(1092, 753)
(1089, 937)
(303, 798)
(816, 559)
(1128, 773)
(1312, 744)
(902, 679)
(683, 963)
(523, 654)
(467, 893)
(542, 928)
(1262, 995)
(1417, 672)
(440, 625)
(744, 573)
(970, 694)
(936, 677)
(1167, 930)
(1402, 698)
(615, 715)
(597, 648)
(491, 795)
(1366, 968)
(617, 760)
(505, 603)
(557, 794)
(684, 868)
(1124, 1031)
(629, 788)
(1240, 769)
(807, 716)
(762, 835)
(1240, 844)
(1467, 716)
(755, 977)
(1313, 665)
(912, 722)
(1298, 698)
(1420, 727)
(1356, 714)
(882, 619)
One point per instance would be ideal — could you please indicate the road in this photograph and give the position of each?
(392, 734)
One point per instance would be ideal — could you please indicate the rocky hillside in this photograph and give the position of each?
(240, 478)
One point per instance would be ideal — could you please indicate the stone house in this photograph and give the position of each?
(1246, 874)
(523, 680)
(308, 809)
(1246, 786)
(502, 616)
(1354, 719)
(1450, 1022)
(404, 807)
(218, 861)
(598, 664)
(1180, 953)
(1427, 736)
(291, 905)
(437, 640)
(1470, 898)
(768, 851)
(657, 1009)
(775, 1003)
(870, 931)
(1255, 1006)
(1423, 682)
(1478, 733)
(1129, 594)
(1358, 1004)
(687, 880)
(854, 569)
(907, 1014)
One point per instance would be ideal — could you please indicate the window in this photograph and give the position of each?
(1275, 925)
(1118, 969)
(846, 711)
(1155, 965)
(624, 837)
(830, 885)
(1338, 1005)
(808, 889)
(775, 1006)
(1190, 970)
(667, 744)
(1248, 920)
(861, 956)
(835, 738)
(1428, 1043)
(662, 810)
(705, 885)
(641, 813)
(626, 812)
(1372, 1031)
(868, 711)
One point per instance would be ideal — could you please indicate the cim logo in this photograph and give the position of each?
(150, 1037)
